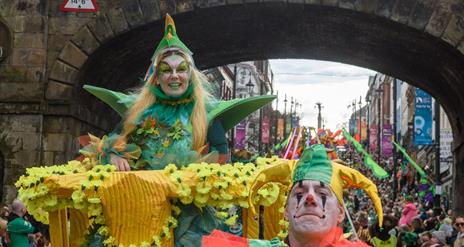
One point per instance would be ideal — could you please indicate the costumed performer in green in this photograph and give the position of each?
(172, 120)
(167, 121)
(314, 208)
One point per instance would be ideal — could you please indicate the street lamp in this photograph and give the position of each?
(285, 116)
(319, 117)
(360, 120)
(368, 105)
(379, 92)
(276, 113)
(294, 110)
(250, 86)
(291, 112)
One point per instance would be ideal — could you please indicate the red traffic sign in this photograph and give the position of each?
(79, 6)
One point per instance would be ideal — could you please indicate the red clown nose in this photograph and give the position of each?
(310, 199)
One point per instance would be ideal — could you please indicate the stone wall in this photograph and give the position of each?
(20, 142)
(36, 124)
(43, 108)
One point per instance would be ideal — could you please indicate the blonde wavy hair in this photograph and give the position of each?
(146, 98)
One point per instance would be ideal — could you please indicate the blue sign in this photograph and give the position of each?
(423, 118)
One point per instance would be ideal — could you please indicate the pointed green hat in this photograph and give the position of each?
(170, 39)
(316, 165)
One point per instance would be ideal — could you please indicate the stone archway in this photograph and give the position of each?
(416, 41)
(5, 41)
(2, 169)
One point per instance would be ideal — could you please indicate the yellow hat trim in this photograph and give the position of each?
(344, 177)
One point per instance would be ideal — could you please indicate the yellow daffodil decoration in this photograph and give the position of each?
(126, 208)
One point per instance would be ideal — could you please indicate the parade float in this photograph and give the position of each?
(176, 183)
(139, 208)
(136, 208)
(176, 190)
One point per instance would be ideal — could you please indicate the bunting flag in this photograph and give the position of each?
(377, 171)
(405, 154)
(297, 142)
(283, 144)
(290, 144)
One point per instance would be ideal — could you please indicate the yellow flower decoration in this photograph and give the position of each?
(94, 200)
(103, 231)
(231, 221)
(157, 241)
(144, 244)
(170, 169)
(221, 186)
(222, 215)
(204, 187)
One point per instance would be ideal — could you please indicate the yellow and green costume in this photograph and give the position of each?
(315, 165)
(163, 134)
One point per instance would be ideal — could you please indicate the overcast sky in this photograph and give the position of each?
(335, 85)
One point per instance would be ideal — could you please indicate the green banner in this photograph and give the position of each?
(405, 154)
(377, 171)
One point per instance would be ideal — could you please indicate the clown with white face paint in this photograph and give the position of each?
(312, 211)
(314, 206)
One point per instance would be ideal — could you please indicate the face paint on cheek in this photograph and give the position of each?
(299, 196)
(298, 199)
(324, 200)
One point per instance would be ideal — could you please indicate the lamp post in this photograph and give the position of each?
(260, 127)
(294, 111)
(368, 105)
(234, 94)
(437, 156)
(276, 112)
(353, 115)
(379, 92)
(360, 120)
(291, 111)
(319, 117)
(285, 116)
(395, 156)
(250, 86)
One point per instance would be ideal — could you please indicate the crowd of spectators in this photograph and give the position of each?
(20, 229)
(410, 220)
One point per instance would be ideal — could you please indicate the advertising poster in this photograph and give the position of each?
(280, 128)
(265, 132)
(387, 146)
(423, 118)
(373, 138)
(240, 135)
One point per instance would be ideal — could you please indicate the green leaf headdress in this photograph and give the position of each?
(169, 42)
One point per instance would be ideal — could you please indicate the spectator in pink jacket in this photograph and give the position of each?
(409, 211)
